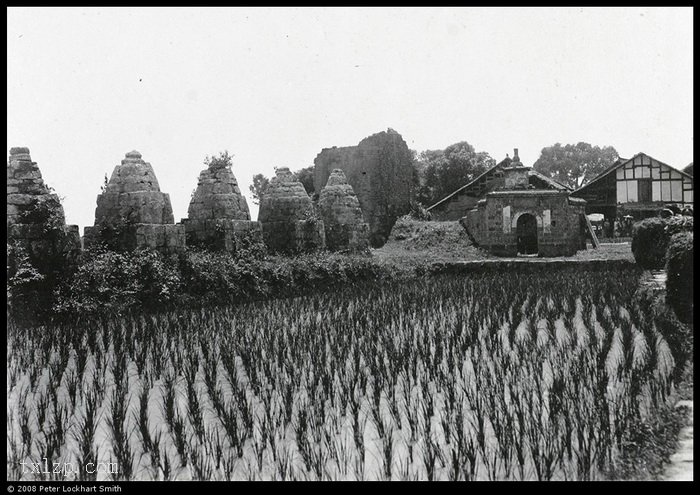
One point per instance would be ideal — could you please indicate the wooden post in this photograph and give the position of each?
(594, 238)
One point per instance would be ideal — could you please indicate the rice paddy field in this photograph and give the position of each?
(480, 377)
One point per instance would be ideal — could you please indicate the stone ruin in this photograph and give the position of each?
(519, 218)
(380, 171)
(340, 211)
(35, 218)
(133, 213)
(218, 215)
(289, 222)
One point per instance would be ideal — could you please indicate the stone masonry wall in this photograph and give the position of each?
(342, 217)
(558, 222)
(29, 201)
(218, 214)
(380, 171)
(133, 202)
(454, 209)
(289, 223)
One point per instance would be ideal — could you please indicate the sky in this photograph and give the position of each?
(274, 86)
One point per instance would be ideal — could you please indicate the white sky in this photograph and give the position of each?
(276, 85)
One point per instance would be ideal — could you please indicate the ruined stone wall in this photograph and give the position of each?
(134, 213)
(380, 171)
(218, 214)
(492, 224)
(289, 222)
(341, 214)
(454, 209)
(35, 217)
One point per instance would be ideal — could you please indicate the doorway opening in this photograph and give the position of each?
(526, 231)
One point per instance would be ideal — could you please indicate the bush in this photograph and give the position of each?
(109, 281)
(679, 281)
(419, 212)
(116, 234)
(28, 292)
(649, 243)
(37, 263)
(217, 277)
(648, 444)
(651, 236)
(677, 224)
(678, 335)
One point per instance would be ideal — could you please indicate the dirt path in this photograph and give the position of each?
(681, 466)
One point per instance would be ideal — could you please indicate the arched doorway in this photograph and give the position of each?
(526, 231)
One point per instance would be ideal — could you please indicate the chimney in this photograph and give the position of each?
(515, 155)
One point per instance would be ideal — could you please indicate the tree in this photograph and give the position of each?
(306, 177)
(259, 186)
(441, 172)
(575, 164)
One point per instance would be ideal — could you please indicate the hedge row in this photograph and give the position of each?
(650, 239)
(679, 275)
(114, 282)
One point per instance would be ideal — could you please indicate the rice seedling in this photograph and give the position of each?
(525, 376)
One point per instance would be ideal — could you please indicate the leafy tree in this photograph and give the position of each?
(259, 186)
(574, 164)
(306, 177)
(441, 172)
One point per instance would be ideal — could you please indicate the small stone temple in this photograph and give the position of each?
(289, 223)
(133, 213)
(518, 218)
(218, 215)
(342, 218)
(29, 204)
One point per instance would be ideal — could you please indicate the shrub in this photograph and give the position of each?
(217, 277)
(677, 224)
(111, 281)
(419, 212)
(648, 444)
(45, 211)
(36, 264)
(679, 281)
(649, 243)
(27, 290)
(108, 281)
(650, 239)
(116, 234)
(678, 335)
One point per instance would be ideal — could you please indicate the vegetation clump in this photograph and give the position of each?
(650, 239)
(679, 273)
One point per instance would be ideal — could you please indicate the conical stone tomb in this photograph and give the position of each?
(289, 222)
(35, 217)
(218, 215)
(340, 211)
(133, 213)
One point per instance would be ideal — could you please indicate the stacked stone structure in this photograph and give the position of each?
(133, 213)
(218, 215)
(289, 222)
(342, 217)
(35, 218)
(380, 171)
(519, 219)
